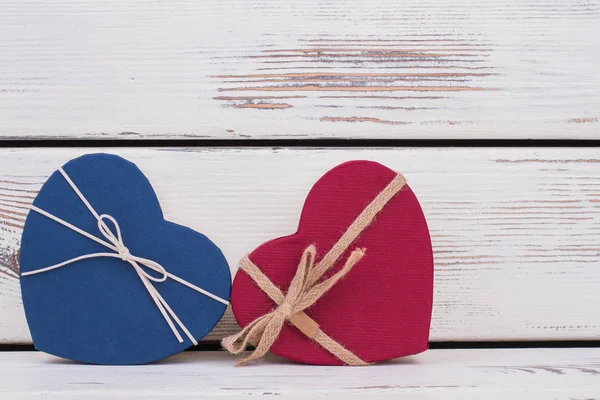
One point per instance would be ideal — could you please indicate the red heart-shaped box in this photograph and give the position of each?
(382, 308)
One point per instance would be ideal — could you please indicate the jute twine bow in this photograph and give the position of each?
(304, 290)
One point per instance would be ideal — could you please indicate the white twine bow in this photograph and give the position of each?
(116, 244)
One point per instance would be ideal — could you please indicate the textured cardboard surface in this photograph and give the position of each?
(98, 310)
(382, 308)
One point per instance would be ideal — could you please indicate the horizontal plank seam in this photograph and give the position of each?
(296, 143)
(214, 345)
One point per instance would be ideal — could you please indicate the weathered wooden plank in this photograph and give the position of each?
(436, 374)
(516, 232)
(299, 69)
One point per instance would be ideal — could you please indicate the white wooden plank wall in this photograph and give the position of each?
(299, 69)
(516, 232)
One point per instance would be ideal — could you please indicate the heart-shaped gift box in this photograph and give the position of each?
(380, 309)
(126, 304)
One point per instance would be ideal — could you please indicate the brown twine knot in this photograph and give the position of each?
(304, 290)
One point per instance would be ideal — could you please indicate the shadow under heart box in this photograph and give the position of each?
(105, 279)
(354, 284)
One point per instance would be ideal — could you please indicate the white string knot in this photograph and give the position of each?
(124, 253)
(114, 242)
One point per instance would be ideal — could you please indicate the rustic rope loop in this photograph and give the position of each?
(305, 289)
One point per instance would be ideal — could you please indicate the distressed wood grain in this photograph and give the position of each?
(437, 374)
(516, 232)
(236, 69)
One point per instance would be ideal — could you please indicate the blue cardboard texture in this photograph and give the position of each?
(97, 310)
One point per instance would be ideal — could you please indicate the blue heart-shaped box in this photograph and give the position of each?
(98, 310)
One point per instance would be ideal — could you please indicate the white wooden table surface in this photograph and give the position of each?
(518, 374)
(515, 230)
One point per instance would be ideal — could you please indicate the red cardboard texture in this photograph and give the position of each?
(382, 308)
